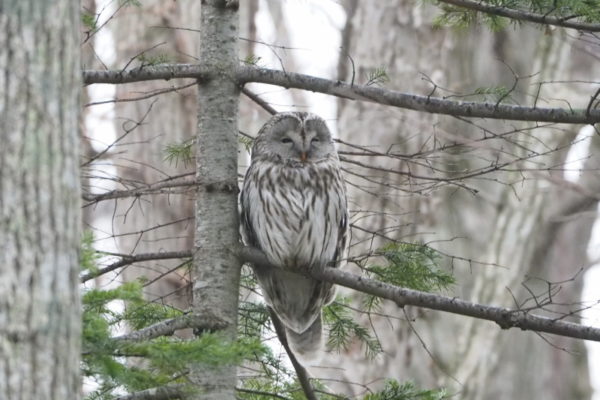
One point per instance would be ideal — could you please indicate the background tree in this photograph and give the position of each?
(39, 200)
(478, 224)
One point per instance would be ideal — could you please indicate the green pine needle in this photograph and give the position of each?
(343, 329)
(88, 256)
(409, 265)
(377, 77)
(394, 390)
(180, 152)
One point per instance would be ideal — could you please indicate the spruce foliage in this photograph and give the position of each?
(117, 365)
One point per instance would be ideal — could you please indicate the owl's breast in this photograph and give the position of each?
(295, 213)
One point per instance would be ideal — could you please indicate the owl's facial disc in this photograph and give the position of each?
(302, 144)
(299, 137)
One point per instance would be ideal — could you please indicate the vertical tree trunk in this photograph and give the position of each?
(501, 224)
(40, 86)
(140, 157)
(216, 268)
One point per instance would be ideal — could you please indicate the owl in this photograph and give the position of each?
(293, 208)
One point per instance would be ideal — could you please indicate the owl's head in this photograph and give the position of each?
(294, 136)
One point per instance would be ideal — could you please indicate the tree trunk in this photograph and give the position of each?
(40, 82)
(502, 224)
(216, 269)
(162, 222)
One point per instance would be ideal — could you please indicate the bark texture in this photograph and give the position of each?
(493, 221)
(161, 222)
(40, 84)
(216, 268)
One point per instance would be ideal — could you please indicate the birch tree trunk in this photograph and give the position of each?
(502, 225)
(39, 199)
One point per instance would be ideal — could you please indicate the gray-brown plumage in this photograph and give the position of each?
(294, 210)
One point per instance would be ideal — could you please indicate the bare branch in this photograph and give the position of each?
(505, 317)
(415, 102)
(160, 187)
(131, 259)
(301, 372)
(145, 73)
(254, 97)
(246, 74)
(521, 15)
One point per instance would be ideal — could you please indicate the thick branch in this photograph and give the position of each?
(169, 326)
(506, 318)
(521, 15)
(246, 74)
(414, 102)
(145, 73)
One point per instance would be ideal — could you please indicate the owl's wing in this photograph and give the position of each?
(340, 248)
(248, 233)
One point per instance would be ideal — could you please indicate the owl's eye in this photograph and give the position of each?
(286, 140)
(314, 140)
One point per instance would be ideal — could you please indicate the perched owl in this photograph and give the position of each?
(294, 210)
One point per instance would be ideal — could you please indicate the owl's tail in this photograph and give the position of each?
(308, 345)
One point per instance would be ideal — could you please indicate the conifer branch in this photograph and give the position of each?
(145, 73)
(522, 15)
(132, 259)
(505, 317)
(168, 392)
(436, 105)
(372, 94)
(169, 326)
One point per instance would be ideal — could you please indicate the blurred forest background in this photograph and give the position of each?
(510, 205)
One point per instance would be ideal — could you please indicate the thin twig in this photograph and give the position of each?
(131, 259)
(301, 372)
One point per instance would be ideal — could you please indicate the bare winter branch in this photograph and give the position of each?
(521, 15)
(145, 73)
(159, 187)
(505, 317)
(301, 372)
(415, 102)
(246, 74)
(131, 259)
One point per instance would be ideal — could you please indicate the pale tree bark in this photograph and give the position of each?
(216, 269)
(529, 239)
(504, 225)
(40, 82)
(168, 119)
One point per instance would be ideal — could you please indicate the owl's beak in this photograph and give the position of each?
(303, 156)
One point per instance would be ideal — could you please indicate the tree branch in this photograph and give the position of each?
(246, 74)
(415, 102)
(169, 326)
(160, 187)
(145, 73)
(131, 259)
(521, 15)
(301, 372)
(506, 318)
(160, 393)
